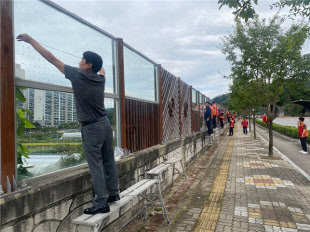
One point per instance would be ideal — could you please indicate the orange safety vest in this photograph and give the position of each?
(232, 123)
(212, 111)
(301, 129)
(221, 115)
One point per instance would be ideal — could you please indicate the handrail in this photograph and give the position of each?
(139, 53)
(51, 87)
(74, 16)
(83, 21)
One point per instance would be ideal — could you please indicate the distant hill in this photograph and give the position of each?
(222, 99)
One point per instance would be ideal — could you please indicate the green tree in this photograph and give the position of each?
(265, 56)
(245, 8)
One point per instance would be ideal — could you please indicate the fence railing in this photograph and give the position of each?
(147, 104)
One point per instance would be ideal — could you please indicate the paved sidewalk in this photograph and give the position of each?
(262, 194)
(239, 189)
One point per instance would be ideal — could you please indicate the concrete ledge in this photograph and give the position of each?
(56, 198)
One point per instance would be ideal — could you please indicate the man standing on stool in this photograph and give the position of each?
(303, 134)
(97, 135)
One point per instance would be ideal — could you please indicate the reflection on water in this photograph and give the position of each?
(43, 163)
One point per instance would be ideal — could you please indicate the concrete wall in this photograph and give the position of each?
(55, 199)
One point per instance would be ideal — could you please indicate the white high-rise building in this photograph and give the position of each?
(49, 108)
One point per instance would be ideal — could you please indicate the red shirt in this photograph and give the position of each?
(244, 123)
(301, 128)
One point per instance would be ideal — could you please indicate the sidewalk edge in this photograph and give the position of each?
(288, 160)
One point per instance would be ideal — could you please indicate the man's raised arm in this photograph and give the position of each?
(43, 52)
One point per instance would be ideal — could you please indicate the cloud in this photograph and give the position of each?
(182, 36)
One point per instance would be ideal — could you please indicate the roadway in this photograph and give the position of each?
(289, 147)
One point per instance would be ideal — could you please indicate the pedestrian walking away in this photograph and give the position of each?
(208, 118)
(231, 127)
(244, 124)
(303, 134)
(97, 135)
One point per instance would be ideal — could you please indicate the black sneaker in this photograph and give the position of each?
(113, 198)
(95, 210)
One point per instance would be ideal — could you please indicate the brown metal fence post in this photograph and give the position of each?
(191, 106)
(121, 90)
(198, 115)
(180, 106)
(7, 94)
(160, 100)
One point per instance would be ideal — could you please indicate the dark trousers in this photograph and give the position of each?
(231, 131)
(214, 121)
(303, 143)
(209, 126)
(222, 122)
(98, 147)
(245, 130)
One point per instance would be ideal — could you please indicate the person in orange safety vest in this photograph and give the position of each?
(303, 134)
(215, 114)
(231, 127)
(228, 116)
(221, 117)
(212, 114)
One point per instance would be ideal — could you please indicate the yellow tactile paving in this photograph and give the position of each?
(211, 212)
(291, 225)
(271, 222)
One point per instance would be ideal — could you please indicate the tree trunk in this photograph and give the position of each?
(270, 138)
(250, 123)
(254, 125)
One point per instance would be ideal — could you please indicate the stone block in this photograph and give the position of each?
(25, 225)
(58, 212)
(47, 226)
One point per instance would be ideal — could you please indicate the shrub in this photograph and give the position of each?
(290, 131)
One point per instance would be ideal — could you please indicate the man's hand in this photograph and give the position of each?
(24, 37)
(43, 52)
(102, 71)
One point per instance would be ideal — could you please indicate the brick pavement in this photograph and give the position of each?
(262, 194)
(241, 190)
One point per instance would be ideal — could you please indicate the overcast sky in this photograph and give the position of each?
(183, 36)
